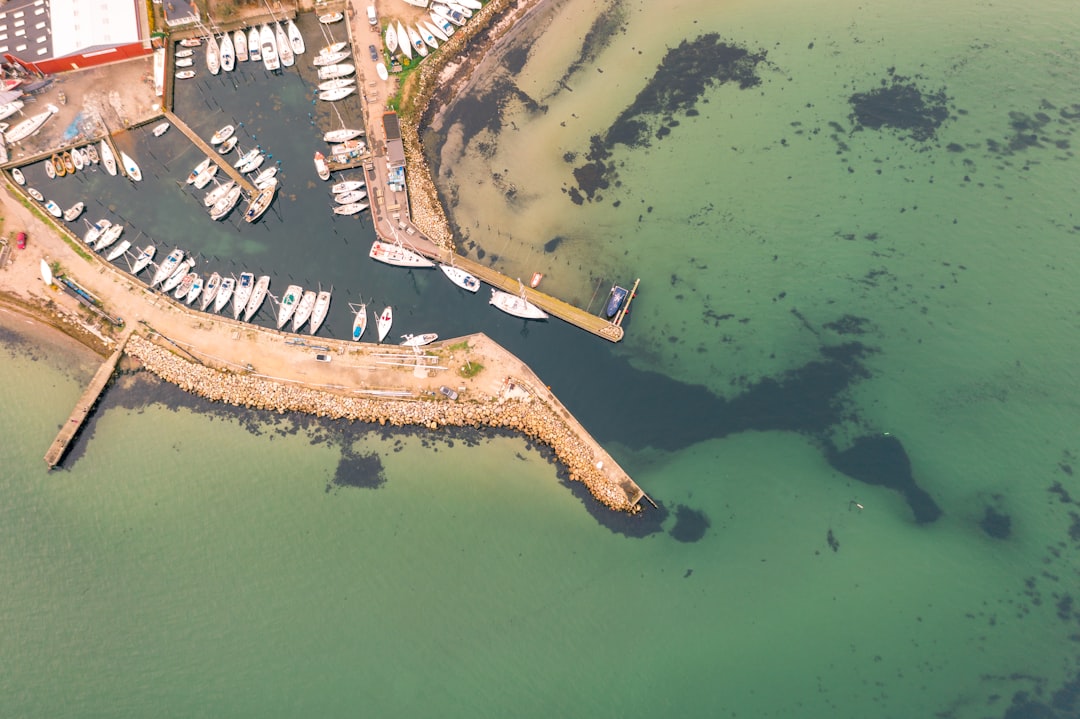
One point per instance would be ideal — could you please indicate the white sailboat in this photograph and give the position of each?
(359, 321)
(296, 40)
(242, 293)
(258, 295)
(212, 285)
(391, 38)
(285, 51)
(131, 169)
(288, 303)
(177, 276)
(117, 251)
(322, 307)
(224, 293)
(108, 159)
(403, 41)
(166, 268)
(397, 255)
(416, 41)
(213, 55)
(228, 55)
(346, 186)
(143, 260)
(385, 321)
(461, 278)
(516, 305)
(303, 310)
(418, 340)
(217, 193)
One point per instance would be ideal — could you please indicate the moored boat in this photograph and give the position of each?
(303, 310)
(330, 18)
(348, 198)
(285, 51)
(427, 36)
(35, 193)
(72, 213)
(199, 169)
(16, 174)
(334, 47)
(242, 293)
(253, 41)
(130, 168)
(94, 230)
(109, 236)
(161, 128)
(461, 278)
(434, 30)
(213, 55)
(92, 153)
(77, 158)
(346, 186)
(451, 15)
(222, 135)
(615, 300)
(177, 276)
(385, 321)
(184, 61)
(186, 52)
(333, 71)
(288, 304)
(252, 163)
(262, 180)
(167, 267)
(359, 322)
(321, 168)
(395, 254)
(185, 74)
(143, 260)
(69, 163)
(117, 251)
(191, 42)
(443, 23)
(205, 176)
(225, 205)
(50, 168)
(418, 340)
(336, 84)
(350, 209)
(257, 207)
(516, 305)
(329, 59)
(210, 290)
(108, 159)
(296, 40)
(322, 307)
(459, 8)
(185, 285)
(226, 147)
(53, 208)
(228, 55)
(337, 94)
(268, 49)
(195, 290)
(241, 47)
(224, 293)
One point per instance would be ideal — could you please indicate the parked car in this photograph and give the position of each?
(322, 358)
(20, 241)
(373, 52)
(448, 392)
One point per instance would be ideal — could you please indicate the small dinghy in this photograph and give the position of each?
(72, 213)
(359, 322)
(161, 129)
(53, 208)
(222, 135)
(16, 174)
(330, 18)
(226, 147)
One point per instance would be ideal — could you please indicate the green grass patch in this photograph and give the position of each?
(470, 369)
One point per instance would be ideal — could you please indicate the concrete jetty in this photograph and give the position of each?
(84, 406)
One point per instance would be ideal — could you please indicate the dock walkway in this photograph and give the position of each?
(84, 405)
(211, 153)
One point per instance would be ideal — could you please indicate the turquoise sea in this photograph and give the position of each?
(849, 379)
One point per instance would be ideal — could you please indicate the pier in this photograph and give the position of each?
(84, 406)
(211, 153)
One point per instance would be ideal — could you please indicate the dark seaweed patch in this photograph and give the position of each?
(882, 460)
(996, 524)
(553, 244)
(690, 524)
(900, 104)
(363, 471)
(604, 27)
(848, 325)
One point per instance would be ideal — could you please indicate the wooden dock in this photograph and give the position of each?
(84, 406)
(211, 153)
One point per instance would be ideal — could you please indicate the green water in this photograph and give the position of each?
(184, 566)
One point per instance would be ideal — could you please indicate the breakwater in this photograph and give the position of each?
(520, 408)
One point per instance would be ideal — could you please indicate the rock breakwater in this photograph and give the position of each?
(519, 411)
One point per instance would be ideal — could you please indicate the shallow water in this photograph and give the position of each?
(803, 284)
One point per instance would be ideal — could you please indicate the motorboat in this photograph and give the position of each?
(10, 108)
(177, 276)
(181, 54)
(228, 54)
(416, 41)
(347, 198)
(418, 340)
(242, 293)
(213, 55)
(226, 147)
(262, 180)
(50, 168)
(330, 18)
(190, 42)
(261, 203)
(184, 62)
(359, 322)
(211, 289)
(443, 23)
(185, 74)
(336, 84)
(334, 47)
(403, 41)
(318, 315)
(252, 164)
(427, 36)
(395, 254)
(77, 159)
(303, 310)
(338, 94)
(72, 213)
(108, 159)
(108, 237)
(459, 8)
(144, 259)
(92, 153)
(434, 30)
(94, 230)
(329, 59)
(35, 193)
(194, 291)
(461, 278)
(185, 285)
(285, 51)
(161, 129)
(16, 174)
(167, 267)
(53, 208)
(205, 176)
(351, 148)
(615, 300)
(332, 71)
(224, 293)
(385, 321)
(225, 205)
(452, 15)
(296, 40)
(241, 46)
(118, 251)
(346, 186)
(269, 49)
(222, 135)
(199, 170)
(391, 38)
(516, 305)
(130, 167)
(30, 125)
(288, 304)
(253, 42)
(321, 169)
(350, 209)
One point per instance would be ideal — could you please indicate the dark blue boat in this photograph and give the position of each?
(615, 300)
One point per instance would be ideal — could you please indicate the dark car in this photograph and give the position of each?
(448, 392)
(20, 241)
(374, 53)
(322, 358)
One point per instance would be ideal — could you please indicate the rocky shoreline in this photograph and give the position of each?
(520, 411)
